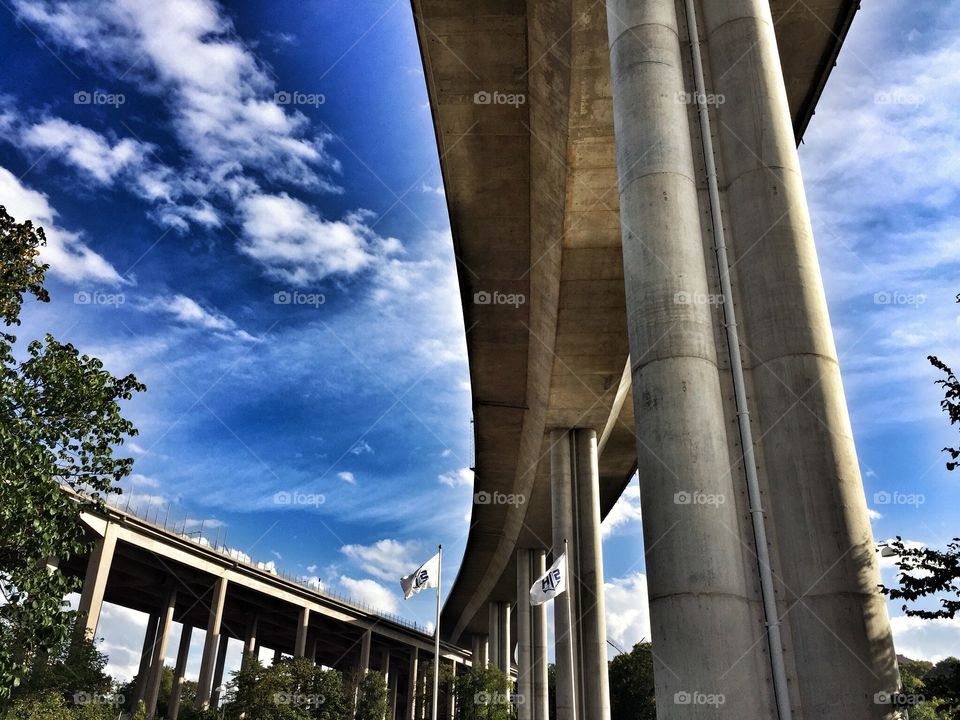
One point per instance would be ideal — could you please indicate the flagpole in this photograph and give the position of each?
(572, 673)
(436, 642)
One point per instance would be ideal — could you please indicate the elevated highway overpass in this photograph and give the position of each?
(573, 140)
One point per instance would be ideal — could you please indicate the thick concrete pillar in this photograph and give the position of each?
(412, 684)
(592, 610)
(524, 637)
(823, 548)
(210, 643)
(300, 646)
(250, 643)
(160, 651)
(564, 605)
(95, 580)
(179, 672)
(481, 654)
(215, 692)
(702, 594)
(277, 656)
(493, 637)
(424, 705)
(146, 656)
(538, 627)
(365, 646)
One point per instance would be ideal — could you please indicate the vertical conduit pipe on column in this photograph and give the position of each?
(781, 691)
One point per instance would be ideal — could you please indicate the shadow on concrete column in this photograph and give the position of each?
(179, 672)
(160, 650)
(211, 643)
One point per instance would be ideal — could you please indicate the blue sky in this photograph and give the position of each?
(244, 208)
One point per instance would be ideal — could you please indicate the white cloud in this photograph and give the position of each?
(371, 594)
(68, 256)
(921, 639)
(386, 559)
(140, 480)
(457, 478)
(311, 568)
(85, 149)
(347, 477)
(296, 245)
(433, 189)
(874, 514)
(188, 311)
(313, 582)
(625, 511)
(205, 523)
(628, 610)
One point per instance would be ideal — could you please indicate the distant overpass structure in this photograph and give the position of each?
(641, 293)
(174, 578)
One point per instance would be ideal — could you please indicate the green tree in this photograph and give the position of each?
(482, 695)
(942, 686)
(632, 695)
(927, 572)
(60, 421)
(372, 697)
(292, 689)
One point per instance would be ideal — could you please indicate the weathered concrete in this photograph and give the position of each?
(160, 651)
(179, 672)
(538, 627)
(95, 581)
(524, 638)
(146, 655)
(217, 596)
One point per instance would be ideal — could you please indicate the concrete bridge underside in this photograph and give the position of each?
(551, 197)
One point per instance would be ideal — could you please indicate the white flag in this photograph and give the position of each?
(551, 584)
(423, 577)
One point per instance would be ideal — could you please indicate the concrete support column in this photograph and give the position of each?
(823, 553)
(95, 580)
(424, 705)
(452, 696)
(160, 651)
(564, 605)
(592, 612)
(277, 656)
(210, 643)
(481, 651)
(186, 633)
(300, 646)
(387, 676)
(702, 593)
(524, 637)
(365, 646)
(538, 628)
(146, 656)
(412, 684)
(499, 638)
(313, 650)
(250, 643)
(218, 672)
(392, 696)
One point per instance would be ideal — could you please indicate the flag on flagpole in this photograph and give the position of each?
(551, 584)
(425, 576)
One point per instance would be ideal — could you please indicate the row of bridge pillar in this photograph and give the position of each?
(580, 635)
(211, 677)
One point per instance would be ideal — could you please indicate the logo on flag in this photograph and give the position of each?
(551, 584)
(423, 577)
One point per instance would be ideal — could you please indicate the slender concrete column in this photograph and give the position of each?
(277, 656)
(564, 605)
(186, 632)
(538, 627)
(452, 696)
(505, 651)
(218, 598)
(702, 594)
(250, 642)
(365, 645)
(392, 696)
(592, 615)
(524, 638)
(160, 651)
(839, 652)
(95, 581)
(313, 650)
(146, 656)
(300, 647)
(218, 671)
(412, 685)
(387, 676)
(481, 654)
(424, 690)
(493, 644)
